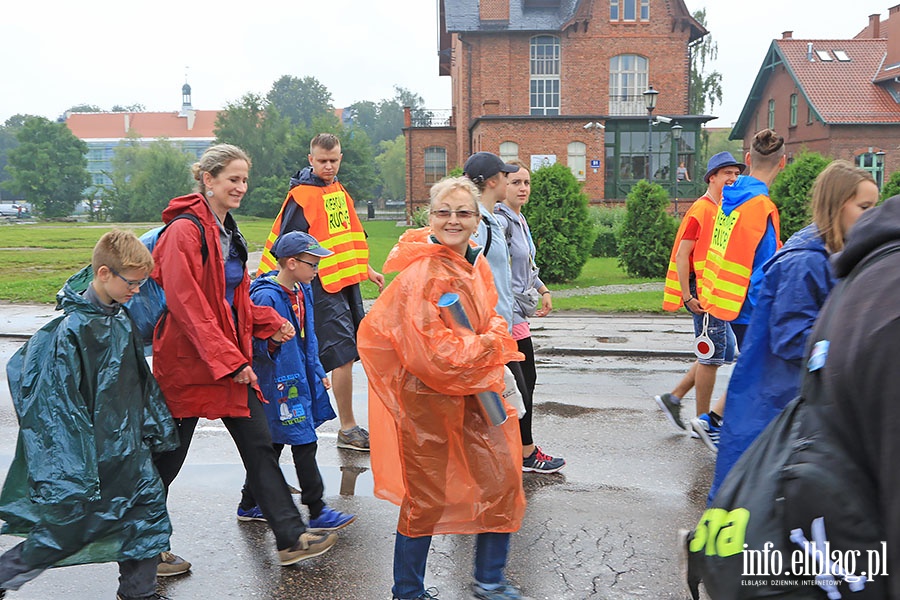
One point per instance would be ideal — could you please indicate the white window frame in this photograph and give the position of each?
(577, 159)
(435, 163)
(544, 84)
(627, 83)
(509, 151)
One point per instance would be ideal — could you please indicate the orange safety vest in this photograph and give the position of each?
(333, 222)
(729, 261)
(704, 211)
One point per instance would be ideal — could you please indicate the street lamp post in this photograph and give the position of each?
(650, 102)
(677, 130)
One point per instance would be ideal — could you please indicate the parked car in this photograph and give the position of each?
(14, 210)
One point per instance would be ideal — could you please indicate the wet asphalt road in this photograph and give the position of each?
(602, 528)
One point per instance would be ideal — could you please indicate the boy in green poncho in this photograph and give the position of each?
(82, 487)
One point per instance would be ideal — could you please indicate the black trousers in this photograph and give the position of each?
(312, 488)
(526, 378)
(254, 443)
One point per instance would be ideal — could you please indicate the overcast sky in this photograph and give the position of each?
(54, 55)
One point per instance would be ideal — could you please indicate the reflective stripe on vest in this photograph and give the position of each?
(333, 222)
(704, 211)
(732, 250)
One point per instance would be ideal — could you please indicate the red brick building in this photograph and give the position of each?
(540, 79)
(836, 97)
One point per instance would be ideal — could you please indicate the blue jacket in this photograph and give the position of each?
(796, 283)
(290, 377)
(744, 189)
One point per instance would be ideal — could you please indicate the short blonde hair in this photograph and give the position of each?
(833, 188)
(120, 251)
(448, 185)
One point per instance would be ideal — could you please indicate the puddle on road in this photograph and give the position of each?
(571, 411)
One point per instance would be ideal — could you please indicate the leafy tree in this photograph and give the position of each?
(791, 191)
(276, 149)
(391, 166)
(705, 88)
(144, 179)
(8, 141)
(48, 167)
(88, 108)
(648, 232)
(357, 172)
(891, 187)
(560, 224)
(300, 100)
(129, 108)
(608, 223)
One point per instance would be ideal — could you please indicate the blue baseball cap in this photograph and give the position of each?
(293, 243)
(720, 160)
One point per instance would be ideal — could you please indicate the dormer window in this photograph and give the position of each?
(629, 10)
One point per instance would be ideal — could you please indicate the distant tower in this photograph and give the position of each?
(185, 100)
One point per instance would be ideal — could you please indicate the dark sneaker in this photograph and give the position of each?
(539, 462)
(251, 514)
(171, 564)
(671, 407)
(307, 546)
(121, 597)
(354, 439)
(330, 520)
(429, 594)
(708, 432)
(504, 592)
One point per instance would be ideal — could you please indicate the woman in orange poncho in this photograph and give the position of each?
(433, 450)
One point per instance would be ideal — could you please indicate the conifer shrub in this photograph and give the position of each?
(648, 232)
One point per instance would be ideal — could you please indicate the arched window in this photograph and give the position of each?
(544, 75)
(435, 164)
(577, 160)
(509, 151)
(627, 82)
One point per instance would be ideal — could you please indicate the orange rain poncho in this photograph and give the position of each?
(433, 451)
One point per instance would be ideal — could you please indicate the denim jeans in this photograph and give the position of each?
(411, 554)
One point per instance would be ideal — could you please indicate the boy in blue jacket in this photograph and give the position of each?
(292, 378)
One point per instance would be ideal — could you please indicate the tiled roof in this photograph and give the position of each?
(463, 15)
(147, 125)
(842, 91)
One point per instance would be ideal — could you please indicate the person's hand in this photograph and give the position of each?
(326, 382)
(376, 278)
(285, 333)
(246, 376)
(546, 305)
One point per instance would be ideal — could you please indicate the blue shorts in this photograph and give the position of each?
(719, 332)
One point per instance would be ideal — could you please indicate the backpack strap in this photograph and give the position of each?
(490, 235)
(204, 249)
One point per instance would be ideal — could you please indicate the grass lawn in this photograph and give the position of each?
(37, 258)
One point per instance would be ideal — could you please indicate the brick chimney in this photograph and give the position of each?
(493, 10)
(891, 31)
(875, 26)
(787, 35)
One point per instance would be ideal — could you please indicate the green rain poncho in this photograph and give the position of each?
(82, 486)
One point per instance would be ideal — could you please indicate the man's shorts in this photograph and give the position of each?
(337, 318)
(719, 332)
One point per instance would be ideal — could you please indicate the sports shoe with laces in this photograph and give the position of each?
(671, 407)
(353, 439)
(121, 597)
(429, 594)
(251, 514)
(538, 462)
(171, 564)
(708, 432)
(307, 546)
(504, 592)
(329, 520)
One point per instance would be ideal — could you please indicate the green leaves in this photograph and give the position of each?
(48, 167)
(791, 191)
(562, 229)
(647, 235)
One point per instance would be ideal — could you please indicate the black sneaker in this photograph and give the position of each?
(671, 407)
(538, 462)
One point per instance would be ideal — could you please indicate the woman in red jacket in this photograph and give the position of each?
(202, 346)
